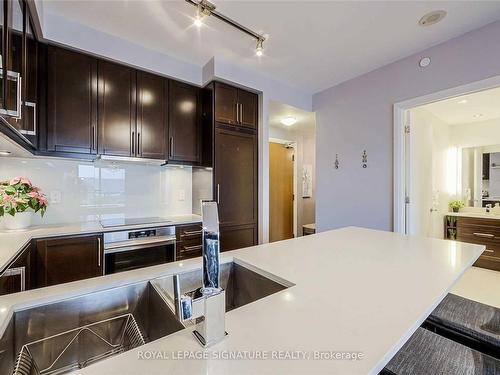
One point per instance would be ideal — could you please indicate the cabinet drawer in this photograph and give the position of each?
(476, 225)
(188, 249)
(189, 233)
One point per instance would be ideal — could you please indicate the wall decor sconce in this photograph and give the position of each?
(337, 164)
(364, 159)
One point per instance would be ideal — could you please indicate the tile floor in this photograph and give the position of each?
(480, 285)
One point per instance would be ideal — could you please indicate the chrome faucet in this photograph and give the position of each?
(206, 304)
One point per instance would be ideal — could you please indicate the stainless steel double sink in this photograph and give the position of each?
(63, 336)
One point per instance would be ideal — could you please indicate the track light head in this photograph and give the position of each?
(259, 50)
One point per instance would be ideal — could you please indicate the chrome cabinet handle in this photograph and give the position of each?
(99, 252)
(218, 194)
(138, 143)
(489, 251)
(133, 143)
(30, 132)
(237, 113)
(19, 98)
(93, 137)
(191, 233)
(171, 147)
(14, 76)
(484, 235)
(191, 248)
(241, 113)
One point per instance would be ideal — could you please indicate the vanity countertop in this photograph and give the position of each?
(478, 215)
(353, 291)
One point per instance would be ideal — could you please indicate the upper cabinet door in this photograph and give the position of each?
(14, 61)
(72, 102)
(30, 81)
(248, 104)
(152, 115)
(184, 123)
(226, 102)
(117, 107)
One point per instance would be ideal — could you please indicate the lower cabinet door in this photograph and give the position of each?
(61, 260)
(237, 237)
(17, 277)
(11, 280)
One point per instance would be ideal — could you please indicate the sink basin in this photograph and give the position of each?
(242, 285)
(63, 336)
(106, 312)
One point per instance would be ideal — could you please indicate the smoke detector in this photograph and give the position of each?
(432, 18)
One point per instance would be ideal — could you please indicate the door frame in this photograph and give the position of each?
(400, 115)
(295, 206)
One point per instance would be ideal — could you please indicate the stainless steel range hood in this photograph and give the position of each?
(129, 159)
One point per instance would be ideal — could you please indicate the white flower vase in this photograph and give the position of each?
(21, 220)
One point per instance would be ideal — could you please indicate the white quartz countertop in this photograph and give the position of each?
(354, 290)
(12, 242)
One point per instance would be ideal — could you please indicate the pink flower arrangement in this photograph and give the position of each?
(19, 194)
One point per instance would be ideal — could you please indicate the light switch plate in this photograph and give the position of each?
(182, 195)
(55, 196)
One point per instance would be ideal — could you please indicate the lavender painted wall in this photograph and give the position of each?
(357, 115)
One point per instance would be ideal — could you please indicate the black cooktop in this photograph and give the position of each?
(120, 222)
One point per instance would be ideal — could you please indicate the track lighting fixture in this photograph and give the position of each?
(259, 50)
(198, 19)
(206, 8)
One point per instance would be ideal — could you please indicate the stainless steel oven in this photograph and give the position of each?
(128, 250)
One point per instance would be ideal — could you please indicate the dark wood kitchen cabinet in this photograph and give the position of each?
(30, 83)
(235, 180)
(184, 123)
(248, 104)
(18, 51)
(235, 106)
(237, 236)
(230, 146)
(117, 109)
(17, 277)
(133, 112)
(65, 259)
(152, 116)
(71, 102)
(226, 102)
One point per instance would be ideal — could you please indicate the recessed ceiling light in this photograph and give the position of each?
(477, 115)
(5, 152)
(288, 121)
(463, 101)
(424, 62)
(432, 18)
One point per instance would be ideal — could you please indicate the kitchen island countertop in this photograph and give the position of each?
(352, 290)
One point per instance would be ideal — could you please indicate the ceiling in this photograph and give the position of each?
(311, 45)
(471, 108)
(306, 121)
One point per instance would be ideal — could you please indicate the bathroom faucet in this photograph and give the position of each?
(206, 304)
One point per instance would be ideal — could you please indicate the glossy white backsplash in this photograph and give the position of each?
(87, 191)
